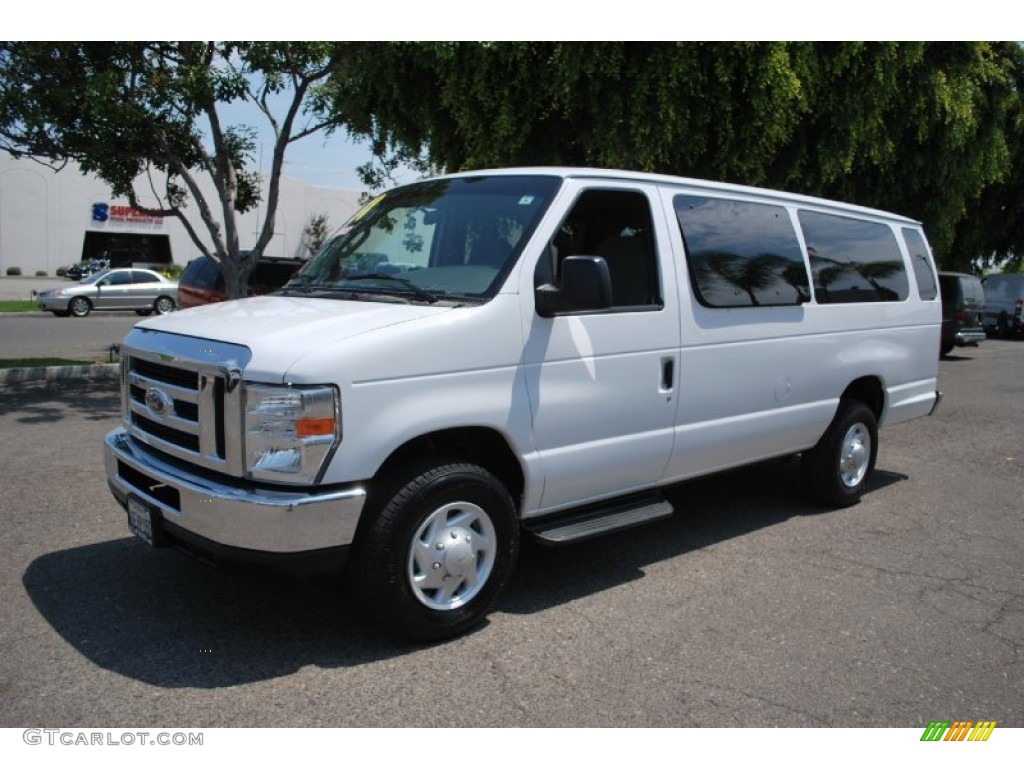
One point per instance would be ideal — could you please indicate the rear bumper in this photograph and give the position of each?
(234, 518)
(969, 336)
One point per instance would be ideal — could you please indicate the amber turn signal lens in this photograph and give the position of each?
(314, 427)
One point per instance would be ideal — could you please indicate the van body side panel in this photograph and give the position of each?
(757, 382)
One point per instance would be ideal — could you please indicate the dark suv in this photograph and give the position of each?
(963, 300)
(202, 282)
(1004, 304)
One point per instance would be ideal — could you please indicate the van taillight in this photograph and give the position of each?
(959, 317)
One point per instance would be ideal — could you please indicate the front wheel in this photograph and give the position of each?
(79, 306)
(837, 469)
(439, 546)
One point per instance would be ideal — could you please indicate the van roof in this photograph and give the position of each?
(664, 179)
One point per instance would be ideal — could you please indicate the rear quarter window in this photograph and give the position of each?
(924, 275)
(269, 276)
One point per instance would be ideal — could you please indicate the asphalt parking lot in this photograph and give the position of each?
(750, 607)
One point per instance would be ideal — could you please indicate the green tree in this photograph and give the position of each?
(125, 110)
(314, 235)
(924, 129)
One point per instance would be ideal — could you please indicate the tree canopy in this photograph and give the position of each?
(121, 110)
(930, 130)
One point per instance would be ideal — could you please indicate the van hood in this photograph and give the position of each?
(280, 329)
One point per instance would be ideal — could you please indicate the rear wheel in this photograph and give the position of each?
(438, 547)
(1002, 327)
(837, 469)
(80, 306)
(163, 305)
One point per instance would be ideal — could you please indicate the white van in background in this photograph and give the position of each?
(522, 351)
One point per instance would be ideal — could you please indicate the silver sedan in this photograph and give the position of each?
(141, 290)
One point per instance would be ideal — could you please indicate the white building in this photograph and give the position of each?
(49, 220)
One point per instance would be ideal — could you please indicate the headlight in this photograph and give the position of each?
(289, 431)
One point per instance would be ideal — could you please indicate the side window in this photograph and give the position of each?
(138, 276)
(853, 260)
(615, 225)
(741, 254)
(119, 278)
(923, 273)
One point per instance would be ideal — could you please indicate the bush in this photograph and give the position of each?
(172, 271)
(62, 271)
(14, 271)
(40, 273)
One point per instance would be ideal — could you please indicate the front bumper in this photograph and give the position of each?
(53, 303)
(235, 516)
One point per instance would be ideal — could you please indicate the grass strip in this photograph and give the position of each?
(18, 306)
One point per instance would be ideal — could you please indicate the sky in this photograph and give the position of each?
(319, 160)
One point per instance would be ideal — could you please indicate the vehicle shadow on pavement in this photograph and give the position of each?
(169, 620)
(166, 619)
(707, 511)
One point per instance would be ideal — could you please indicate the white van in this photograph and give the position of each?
(533, 351)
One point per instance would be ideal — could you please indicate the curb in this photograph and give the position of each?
(97, 372)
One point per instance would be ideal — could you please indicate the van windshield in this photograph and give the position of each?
(447, 240)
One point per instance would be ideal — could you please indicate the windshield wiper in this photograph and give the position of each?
(418, 292)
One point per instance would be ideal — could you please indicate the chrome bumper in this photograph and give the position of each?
(965, 338)
(232, 515)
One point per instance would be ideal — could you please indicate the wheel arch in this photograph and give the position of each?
(869, 390)
(483, 446)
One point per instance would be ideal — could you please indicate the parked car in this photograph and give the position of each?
(202, 283)
(1004, 304)
(142, 290)
(86, 268)
(963, 299)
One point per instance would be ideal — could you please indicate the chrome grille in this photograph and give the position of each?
(182, 404)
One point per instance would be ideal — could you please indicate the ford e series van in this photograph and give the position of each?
(538, 352)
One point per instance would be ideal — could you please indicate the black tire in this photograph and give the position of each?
(1002, 328)
(436, 548)
(945, 349)
(79, 307)
(143, 312)
(164, 305)
(837, 470)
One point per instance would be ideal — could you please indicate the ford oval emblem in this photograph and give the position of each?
(158, 402)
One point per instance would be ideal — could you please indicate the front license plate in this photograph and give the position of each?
(140, 519)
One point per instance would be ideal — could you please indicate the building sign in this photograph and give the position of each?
(104, 213)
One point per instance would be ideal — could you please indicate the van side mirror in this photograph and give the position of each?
(585, 285)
